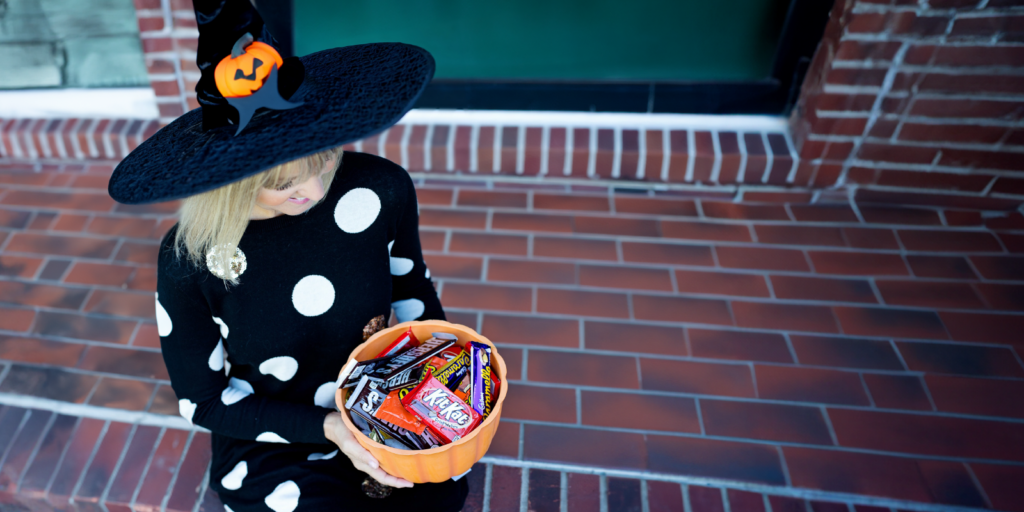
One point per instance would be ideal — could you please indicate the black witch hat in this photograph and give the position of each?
(258, 110)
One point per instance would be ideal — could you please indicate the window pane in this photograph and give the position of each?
(70, 43)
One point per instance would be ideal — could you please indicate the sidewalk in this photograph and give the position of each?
(704, 349)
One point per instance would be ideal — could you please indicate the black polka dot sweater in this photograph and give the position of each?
(257, 363)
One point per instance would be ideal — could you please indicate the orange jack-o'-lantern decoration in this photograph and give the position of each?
(243, 72)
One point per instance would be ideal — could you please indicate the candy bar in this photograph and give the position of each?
(453, 371)
(451, 352)
(367, 396)
(464, 388)
(392, 411)
(482, 388)
(445, 415)
(450, 373)
(492, 393)
(404, 342)
(399, 371)
(362, 368)
(384, 427)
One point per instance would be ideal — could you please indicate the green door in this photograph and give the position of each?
(560, 40)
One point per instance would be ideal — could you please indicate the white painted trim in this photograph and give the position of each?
(545, 150)
(641, 154)
(126, 102)
(97, 412)
(691, 153)
(569, 149)
(666, 154)
(520, 150)
(404, 145)
(428, 142)
(617, 152)
(499, 137)
(593, 119)
(769, 155)
(474, 146)
(592, 156)
(741, 174)
(450, 148)
(716, 169)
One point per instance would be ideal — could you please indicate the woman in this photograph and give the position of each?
(286, 252)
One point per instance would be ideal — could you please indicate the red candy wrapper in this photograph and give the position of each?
(404, 342)
(448, 417)
(392, 411)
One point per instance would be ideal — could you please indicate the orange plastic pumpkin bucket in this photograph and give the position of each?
(436, 464)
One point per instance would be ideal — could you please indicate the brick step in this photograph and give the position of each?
(51, 460)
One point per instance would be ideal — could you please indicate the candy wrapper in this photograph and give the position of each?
(449, 371)
(361, 368)
(464, 388)
(484, 388)
(370, 404)
(445, 415)
(367, 396)
(400, 372)
(404, 342)
(392, 411)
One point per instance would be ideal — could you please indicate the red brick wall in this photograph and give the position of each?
(923, 95)
(169, 41)
(903, 96)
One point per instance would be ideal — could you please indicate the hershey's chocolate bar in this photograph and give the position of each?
(399, 372)
(366, 396)
(364, 368)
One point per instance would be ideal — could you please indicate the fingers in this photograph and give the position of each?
(364, 461)
(355, 451)
(386, 479)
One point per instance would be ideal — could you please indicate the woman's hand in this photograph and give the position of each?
(335, 430)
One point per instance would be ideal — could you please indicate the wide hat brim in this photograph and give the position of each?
(348, 94)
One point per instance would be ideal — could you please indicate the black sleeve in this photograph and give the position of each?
(192, 341)
(412, 293)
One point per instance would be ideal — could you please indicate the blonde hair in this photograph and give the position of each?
(214, 221)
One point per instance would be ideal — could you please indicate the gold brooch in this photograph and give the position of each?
(371, 328)
(236, 266)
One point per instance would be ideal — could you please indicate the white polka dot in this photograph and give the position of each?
(356, 210)
(322, 456)
(270, 437)
(163, 320)
(233, 480)
(237, 389)
(227, 364)
(228, 509)
(428, 273)
(284, 498)
(408, 309)
(399, 266)
(282, 367)
(313, 295)
(223, 327)
(216, 361)
(324, 396)
(186, 408)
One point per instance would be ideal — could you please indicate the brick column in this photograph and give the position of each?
(169, 42)
(917, 95)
